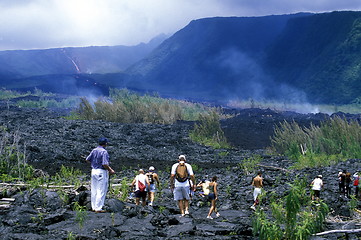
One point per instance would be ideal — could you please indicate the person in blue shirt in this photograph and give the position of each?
(99, 160)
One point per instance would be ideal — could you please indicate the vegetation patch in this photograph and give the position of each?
(316, 146)
(294, 216)
(209, 132)
(126, 107)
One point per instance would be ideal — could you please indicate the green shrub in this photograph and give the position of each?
(249, 165)
(209, 132)
(294, 216)
(321, 145)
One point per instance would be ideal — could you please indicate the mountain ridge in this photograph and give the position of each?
(303, 57)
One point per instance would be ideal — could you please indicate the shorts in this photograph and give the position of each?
(139, 194)
(152, 188)
(316, 193)
(256, 192)
(211, 196)
(182, 193)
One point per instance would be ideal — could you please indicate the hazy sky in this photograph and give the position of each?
(29, 24)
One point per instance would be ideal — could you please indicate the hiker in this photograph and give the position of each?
(356, 183)
(317, 185)
(341, 182)
(140, 182)
(153, 179)
(348, 181)
(213, 197)
(181, 173)
(204, 184)
(99, 160)
(258, 184)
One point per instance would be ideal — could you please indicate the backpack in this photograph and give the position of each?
(181, 173)
(150, 178)
(141, 186)
(355, 183)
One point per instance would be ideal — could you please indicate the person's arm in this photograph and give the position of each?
(156, 179)
(147, 181)
(87, 159)
(193, 180)
(133, 182)
(110, 170)
(172, 182)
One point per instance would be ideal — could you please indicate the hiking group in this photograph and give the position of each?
(145, 185)
(345, 183)
(183, 184)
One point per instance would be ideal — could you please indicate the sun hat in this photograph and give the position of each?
(182, 157)
(151, 168)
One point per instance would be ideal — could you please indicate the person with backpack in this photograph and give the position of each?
(342, 182)
(99, 161)
(348, 182)
(356, 183)
(140, 182)
(153, 179)
(213, 197)
(181, 174)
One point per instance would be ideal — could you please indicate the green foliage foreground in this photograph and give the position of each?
(317, 146)
(294, 216)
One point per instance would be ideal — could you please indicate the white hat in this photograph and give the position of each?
(151, 168)
(182, 157)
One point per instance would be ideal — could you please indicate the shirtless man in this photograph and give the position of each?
(258, 184)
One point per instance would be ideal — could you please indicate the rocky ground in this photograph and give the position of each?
(52, 141)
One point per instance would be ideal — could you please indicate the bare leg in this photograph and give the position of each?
(181, 207)
(186, 205)
(213, 207)
(144, 202)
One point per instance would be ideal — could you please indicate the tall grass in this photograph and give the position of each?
(127, 107)
(13, 165)
(209, 132)
(321, 145)
(70, 102)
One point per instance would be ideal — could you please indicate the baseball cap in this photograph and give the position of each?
(103, 141)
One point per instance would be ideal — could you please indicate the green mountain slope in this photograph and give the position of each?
(321, 55)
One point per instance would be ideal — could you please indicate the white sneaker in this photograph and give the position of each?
(217, 214)
(209, 217)
(150, 204)
(253, 207)
(186, 212)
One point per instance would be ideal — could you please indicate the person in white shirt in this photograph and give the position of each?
(180, 184)
(317, 185)
(141, 183)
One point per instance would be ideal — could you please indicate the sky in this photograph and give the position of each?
(42, 24)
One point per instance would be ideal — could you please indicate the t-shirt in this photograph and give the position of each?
(317, 184)
(98, 157)
(142, 179)
(173, 171)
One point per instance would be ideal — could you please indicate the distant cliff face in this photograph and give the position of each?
(67, 70)
(301, 57)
